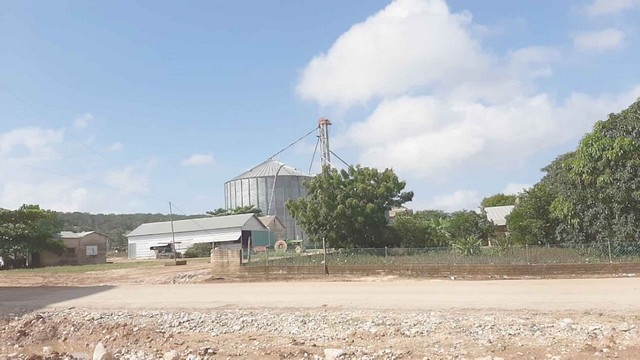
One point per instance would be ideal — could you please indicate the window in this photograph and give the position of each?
(92, 250)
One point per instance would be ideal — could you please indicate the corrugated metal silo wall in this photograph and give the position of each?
(257, 192)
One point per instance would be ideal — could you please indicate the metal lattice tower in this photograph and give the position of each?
(323, 129)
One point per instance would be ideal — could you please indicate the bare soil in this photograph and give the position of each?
(142, 312)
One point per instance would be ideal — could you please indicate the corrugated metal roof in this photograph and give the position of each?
(270, 168)
(200, 224)
(498, 214)
(74, 235)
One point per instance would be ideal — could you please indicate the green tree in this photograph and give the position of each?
(427, 228)
(412, 231)
(464, 224)
(531, 221)
(498, 200)
(27, 230)
(590, 194)
(250, 209)
(348, 207)
(606, 169)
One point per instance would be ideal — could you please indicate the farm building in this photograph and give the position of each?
(87, 247)
(274, 224)
(498, 216)
(267, 187)
(233, 231)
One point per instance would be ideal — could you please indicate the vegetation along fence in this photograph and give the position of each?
(512, 255)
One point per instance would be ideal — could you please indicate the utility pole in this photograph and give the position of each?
(173, 236)
(323, 128)
(325, 158)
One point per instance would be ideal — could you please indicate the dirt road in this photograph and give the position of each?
(610, 295)
(371, 318)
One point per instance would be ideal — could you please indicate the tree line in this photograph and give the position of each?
(588, 195)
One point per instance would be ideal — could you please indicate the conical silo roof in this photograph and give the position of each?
(270, 168)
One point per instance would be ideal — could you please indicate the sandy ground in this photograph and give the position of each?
(141, 313)
(611, 295)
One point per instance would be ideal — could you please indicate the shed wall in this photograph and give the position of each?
(183, 240)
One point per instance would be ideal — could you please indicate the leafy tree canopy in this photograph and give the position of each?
(531, 221)
(236, 211)
(348, 207)
(592, 193)
(427, 228)
(465, 224)
(498, 200)
(28, 229)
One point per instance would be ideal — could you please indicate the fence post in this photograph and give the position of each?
(324, 248)
(266, 256)
(526, 250)
(609, 245)
(385, 253)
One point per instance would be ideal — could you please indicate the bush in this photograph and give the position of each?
(467, 246)
(198, 250)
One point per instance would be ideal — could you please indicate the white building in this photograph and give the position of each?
(231, 231)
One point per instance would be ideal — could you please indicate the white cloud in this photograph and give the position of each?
(602, 40)
(407, 45)
(76, 190)
(30, 144)
(428, 136)
(458, 200)
(59, 194)
(610, 7)
(198, 159)
(128, 179)
(515, 188)
(39, 167)
(476, 108)
(532, 62)
(116, 146)
(82, 121)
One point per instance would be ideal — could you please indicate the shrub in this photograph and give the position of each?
(198, 250)
(467, 246)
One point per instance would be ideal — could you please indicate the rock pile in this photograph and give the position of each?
(316, 334)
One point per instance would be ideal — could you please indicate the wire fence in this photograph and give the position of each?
(512, 255)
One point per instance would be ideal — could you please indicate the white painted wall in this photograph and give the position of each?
(186, 240)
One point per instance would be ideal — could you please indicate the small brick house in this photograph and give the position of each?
(89, 247)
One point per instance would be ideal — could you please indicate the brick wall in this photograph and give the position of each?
(460, 270)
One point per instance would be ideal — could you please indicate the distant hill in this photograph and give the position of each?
(115, 226)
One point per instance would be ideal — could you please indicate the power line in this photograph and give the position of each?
(293, 143)
(314, 155)
(339, 158)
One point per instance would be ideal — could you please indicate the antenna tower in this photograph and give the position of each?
(323, 129)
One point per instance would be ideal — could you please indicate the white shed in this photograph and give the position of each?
(231, 231)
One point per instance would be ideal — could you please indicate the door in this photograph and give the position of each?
(131, 250)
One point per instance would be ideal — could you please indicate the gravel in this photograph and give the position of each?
(317, 334)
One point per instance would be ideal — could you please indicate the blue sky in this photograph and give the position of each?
(121, 107)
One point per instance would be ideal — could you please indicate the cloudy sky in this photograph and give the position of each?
(122, 107)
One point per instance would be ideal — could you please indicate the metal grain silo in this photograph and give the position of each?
(267, 187)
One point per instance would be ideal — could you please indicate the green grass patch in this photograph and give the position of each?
(79, 269)
(516, 255)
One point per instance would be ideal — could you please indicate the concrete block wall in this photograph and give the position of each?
(225, 261)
